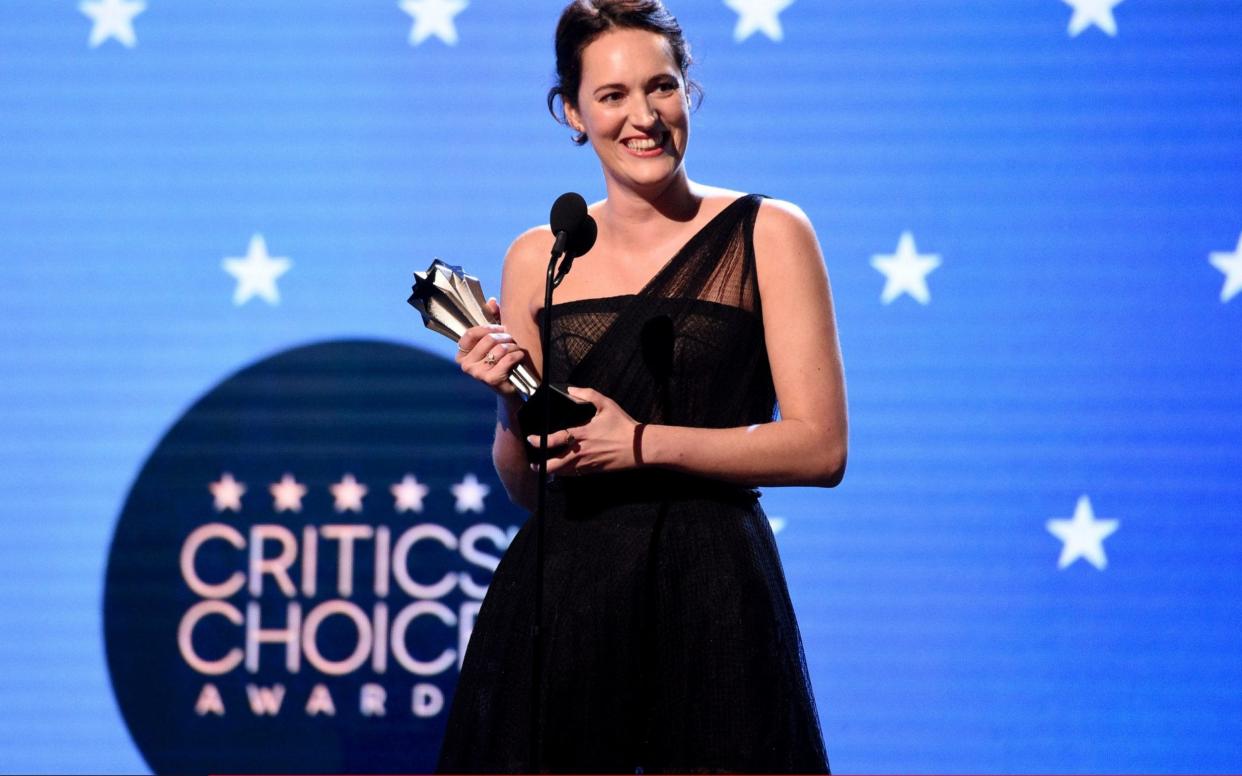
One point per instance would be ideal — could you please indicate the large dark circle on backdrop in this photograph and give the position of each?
(371, 409)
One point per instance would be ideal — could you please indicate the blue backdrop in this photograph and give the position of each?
(1029, 209)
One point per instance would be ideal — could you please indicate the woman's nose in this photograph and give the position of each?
(644, 114)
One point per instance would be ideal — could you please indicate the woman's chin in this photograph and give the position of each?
(654, 174)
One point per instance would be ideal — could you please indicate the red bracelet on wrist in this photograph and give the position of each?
(638, 443)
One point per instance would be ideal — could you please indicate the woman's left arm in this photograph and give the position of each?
(807, 445)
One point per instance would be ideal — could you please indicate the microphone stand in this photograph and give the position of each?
(545, 344)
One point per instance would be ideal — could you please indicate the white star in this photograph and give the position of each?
(348, 494)
(758, 16)
(256, 273)
(1231, 265)
(469, 494)
(227, 493)
(905, 271)
(287, 494)
(433, 17)
(113, 19)
(1089, 12)
(1082, 535)
(409, 494)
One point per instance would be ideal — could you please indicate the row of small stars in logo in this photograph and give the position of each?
(1082, 536)
(347, 495)
(114, 19)
(905, 271)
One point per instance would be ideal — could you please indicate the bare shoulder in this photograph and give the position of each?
(529, 245)
(790, 266)
(784, 234)
(778, 223)
(782, 221)
(527, 256)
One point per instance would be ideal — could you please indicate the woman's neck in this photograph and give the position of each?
(627, 211)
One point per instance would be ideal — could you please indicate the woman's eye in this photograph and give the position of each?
(667, 86)
(611, 97)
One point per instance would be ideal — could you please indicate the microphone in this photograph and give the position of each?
(575, 231)
(568, 212)
(584, 238)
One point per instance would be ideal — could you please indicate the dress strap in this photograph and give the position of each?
(715, 265)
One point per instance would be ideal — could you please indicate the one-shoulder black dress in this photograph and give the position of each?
(669, 641)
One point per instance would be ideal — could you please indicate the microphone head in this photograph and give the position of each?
(583, 238)
(567, 213)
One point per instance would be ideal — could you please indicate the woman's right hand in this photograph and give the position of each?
(490, 342)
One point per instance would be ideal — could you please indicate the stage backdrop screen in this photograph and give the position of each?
(247, 500)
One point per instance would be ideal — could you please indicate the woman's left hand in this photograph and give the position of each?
(604, 444)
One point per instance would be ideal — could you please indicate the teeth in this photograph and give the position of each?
(645, 144)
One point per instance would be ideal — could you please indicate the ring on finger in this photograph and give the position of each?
(490, 359)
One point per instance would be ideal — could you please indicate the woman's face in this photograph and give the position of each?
(632, 106)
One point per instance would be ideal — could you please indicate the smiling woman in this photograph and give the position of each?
(632, 104)
(670, 643)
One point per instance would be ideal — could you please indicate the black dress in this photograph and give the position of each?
(670, 643)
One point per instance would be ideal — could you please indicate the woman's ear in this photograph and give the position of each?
(574, 118)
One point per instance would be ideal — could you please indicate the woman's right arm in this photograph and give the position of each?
(518, 336)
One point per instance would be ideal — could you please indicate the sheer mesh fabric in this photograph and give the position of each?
(718, 374)
(670, 644)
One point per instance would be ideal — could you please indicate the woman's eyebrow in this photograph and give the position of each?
(621, 86)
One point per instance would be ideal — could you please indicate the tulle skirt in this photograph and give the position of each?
(669, 641)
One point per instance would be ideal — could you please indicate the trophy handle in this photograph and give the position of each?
(523, 380)
(523, 386)
(566, 412)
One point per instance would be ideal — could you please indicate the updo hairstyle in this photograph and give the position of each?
(583, 21)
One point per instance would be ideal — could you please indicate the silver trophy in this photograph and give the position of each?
(450, 302)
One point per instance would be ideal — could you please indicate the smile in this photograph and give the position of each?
(646, 146)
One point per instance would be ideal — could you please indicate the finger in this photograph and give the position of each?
(477, 363)
(586, 394)
(466, 342)
(555, 439)
(569, 436)
(498, 374)
(561, 464)
(492, 353)
(493, 307)
(471, 337)
(487, 342)
(557, 462)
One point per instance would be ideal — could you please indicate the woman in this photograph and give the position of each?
(669, 640)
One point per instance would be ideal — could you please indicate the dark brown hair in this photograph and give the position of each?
(583, 21)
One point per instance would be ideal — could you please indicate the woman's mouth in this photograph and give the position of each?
(646, 146)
